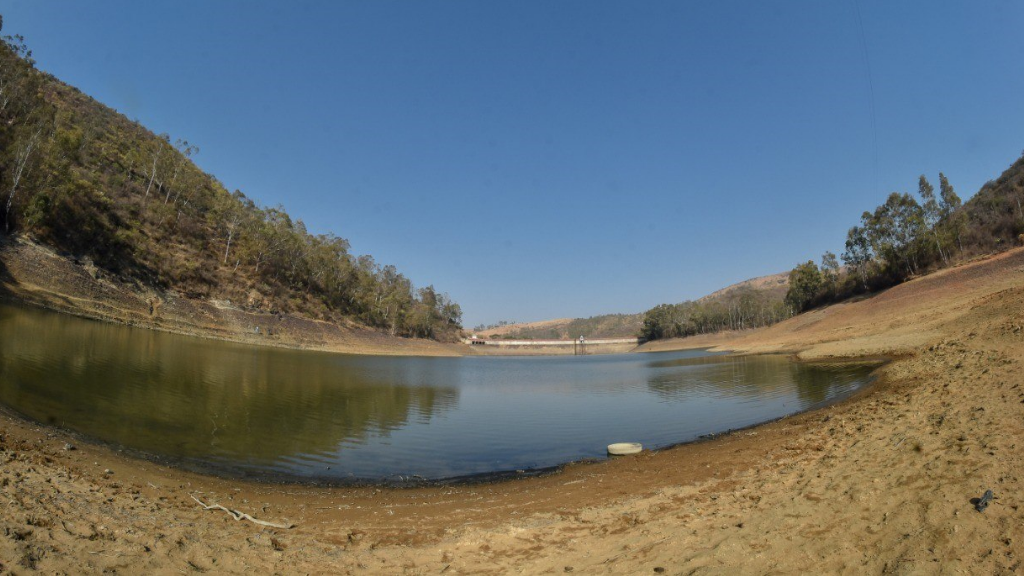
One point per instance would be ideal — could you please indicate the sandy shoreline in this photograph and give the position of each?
(881, 482)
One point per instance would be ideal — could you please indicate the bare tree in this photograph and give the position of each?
(12, 77)
(156, 159)
(932, 213)
(232, 222)
(830, 271)
(265, 240)
(187, 150)
(20, 164)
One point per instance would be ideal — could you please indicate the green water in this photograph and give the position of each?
(296, 414)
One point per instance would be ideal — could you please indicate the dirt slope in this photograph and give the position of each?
(880, 483)
(33, 273)
(893, 322)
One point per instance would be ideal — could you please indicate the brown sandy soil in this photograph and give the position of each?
(895, 321)
(35, 274)
(879, 483)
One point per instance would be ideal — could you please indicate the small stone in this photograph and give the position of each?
(69, 446)
(108, 471)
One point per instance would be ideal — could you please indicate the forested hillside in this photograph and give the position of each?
(994, 217)
(747, 304)
(907, 236)
(736, 308)
(904, 237)
(78, 176)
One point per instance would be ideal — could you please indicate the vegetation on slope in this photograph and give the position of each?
(902, 238)
(994, 219)
(905, 237)
(78, 176)
(736, 309)
(602, 326)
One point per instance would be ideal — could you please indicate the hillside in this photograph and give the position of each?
(995, 217)
(603, 326)
(773, 284)
(771, 288)
(91, 184)
(991, 221)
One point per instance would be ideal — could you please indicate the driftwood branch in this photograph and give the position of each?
(241, 515)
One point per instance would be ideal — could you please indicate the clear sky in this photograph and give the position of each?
(548, 159)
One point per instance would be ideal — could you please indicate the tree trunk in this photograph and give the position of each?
(19, 171)
(171, 185)
(942, 254)
(152, 175)
(231, 234)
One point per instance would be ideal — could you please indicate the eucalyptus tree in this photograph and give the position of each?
(23, 155)
(949, 207)
(451, 312)
(858, 253)
(265, 236)
(18, 85)
(932, 214)
(26, 122)
(805, 282)
(830, 272)
(186, 151)
(157, 150)
(894, 229)
(229, 215)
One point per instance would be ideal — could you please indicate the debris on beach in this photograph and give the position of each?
(624, 448)
(983, 502)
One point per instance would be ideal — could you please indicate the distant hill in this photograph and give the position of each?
(603, 326)
(770, 288)
(774, 284)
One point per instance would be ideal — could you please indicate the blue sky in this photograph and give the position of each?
(548, 159)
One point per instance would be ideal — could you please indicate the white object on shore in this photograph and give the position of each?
(624, 448)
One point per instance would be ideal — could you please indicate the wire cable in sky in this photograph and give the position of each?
(871, 87)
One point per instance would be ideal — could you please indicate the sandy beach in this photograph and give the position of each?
(881, 482)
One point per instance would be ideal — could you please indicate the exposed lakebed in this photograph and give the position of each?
(282, 413)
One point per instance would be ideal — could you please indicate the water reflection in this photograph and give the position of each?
(313, 414)
(202, 399)
(753, 377)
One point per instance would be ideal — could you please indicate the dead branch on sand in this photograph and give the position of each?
(241, 515)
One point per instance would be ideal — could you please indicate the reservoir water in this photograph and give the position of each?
(260, 411)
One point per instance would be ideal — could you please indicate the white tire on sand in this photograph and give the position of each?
(624, 448)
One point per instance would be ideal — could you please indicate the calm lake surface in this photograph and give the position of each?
(286, 413)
